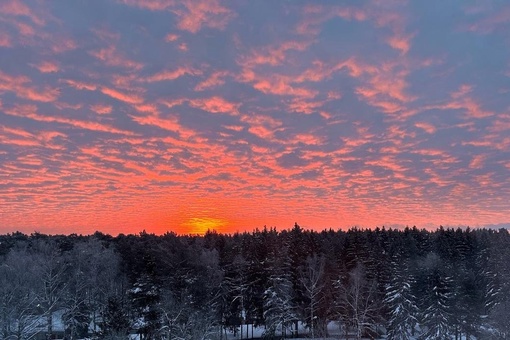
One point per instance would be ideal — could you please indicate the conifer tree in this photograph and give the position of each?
(401, 302)
(438, 302)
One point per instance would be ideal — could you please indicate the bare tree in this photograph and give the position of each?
(311, 278)
(17, 297)
(358, 301)
(51, 270)
(94, 279)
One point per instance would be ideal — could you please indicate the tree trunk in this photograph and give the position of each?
(50, 325)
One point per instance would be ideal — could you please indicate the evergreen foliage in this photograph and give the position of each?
(411, 283)
(400, 301)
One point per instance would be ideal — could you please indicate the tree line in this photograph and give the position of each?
(403, 284)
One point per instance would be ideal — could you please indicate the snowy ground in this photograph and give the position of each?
(335, 333)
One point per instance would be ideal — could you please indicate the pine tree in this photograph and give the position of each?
(401, 302)
(437, 314)
(145, 296)
(115, 321)
(279, 310)
(279, 306)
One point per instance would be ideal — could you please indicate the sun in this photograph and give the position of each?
(200, 225)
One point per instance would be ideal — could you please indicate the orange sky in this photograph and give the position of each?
(124, 115)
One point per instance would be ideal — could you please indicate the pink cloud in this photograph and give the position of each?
(279, 85)
(172, 75)
(30, 111)
(101, 109)
(63, 44)
(215, 79)
(391, 82)
(47, 67)
(260, 149)
(18, 142)
(17, 8)
(170, 124)
(202, 13)
(460, 100)
(183, 47)
(68, 106)
(316, 15)
(192, 15)
(356, 68)
(261, 132)
(429, 128)
(79, 85)
(111, 57)
(46, 94)
(429, 152)
(170, 37)
(259, 119)
(18, 132)
(273, 55)
(334, 95)
(172, 102)
(48, 136)
(462, 91)
(216, 105)
(262, 126)
(308, 139)
(305, 106)
(384, 87)
(5, 40)
(234, 127)
(400, 42)
(151, 108)
(124, 97)
(19, 86)
(477, 162)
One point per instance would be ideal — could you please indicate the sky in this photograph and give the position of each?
(183, 116)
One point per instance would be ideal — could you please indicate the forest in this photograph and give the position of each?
(372, 283)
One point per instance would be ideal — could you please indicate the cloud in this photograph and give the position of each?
(428, 128)
(124, 97)
(47, 67)
(79, 85)
(17, 8)
(316, 15)
(173, 74)
(216, 105)
(19, 86)
(101, 109)
(171, 37)
(63, 44)
(193, 15)
(401, 43)
(217, 78)
(5, 40)
(170, 124)
(30, 111)
(273, 55)
(477, 162)
(461, 100)
(111, 57)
